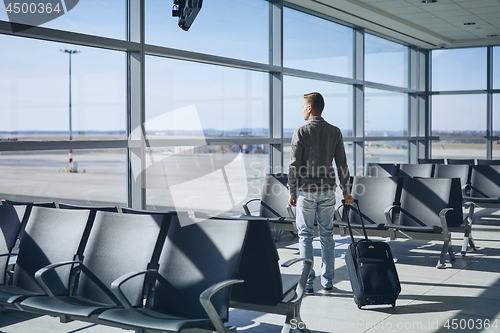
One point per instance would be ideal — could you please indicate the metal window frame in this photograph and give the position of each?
(489, 92)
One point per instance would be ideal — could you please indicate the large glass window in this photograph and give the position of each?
(43, 176)
(105, 18)
(460, 149)
(188, 98)
(34, 91)
(338, 103)
(229, 28)
(386, 152)
(386, 113)
(317, 45)
(459, 69)
(386, 62)
(459, 115)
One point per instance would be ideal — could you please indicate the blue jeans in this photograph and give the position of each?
(317, 207)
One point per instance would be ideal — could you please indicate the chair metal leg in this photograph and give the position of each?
(450, 252)
(468, 241)
(465, 243)
(471, 243)
(292, 311)
(442, 257)
(286, 328)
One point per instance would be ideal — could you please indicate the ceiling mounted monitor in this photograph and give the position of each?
(186, 10)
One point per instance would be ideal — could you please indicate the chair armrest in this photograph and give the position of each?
(208, 306)
(444, 221)
(387, 213)
(303, 277)
(293, 261)
(245, 206)
(40, 274)
(117, 284)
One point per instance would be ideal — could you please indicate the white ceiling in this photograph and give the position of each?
(427, 25)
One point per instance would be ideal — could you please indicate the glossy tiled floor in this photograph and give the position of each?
(464, 297)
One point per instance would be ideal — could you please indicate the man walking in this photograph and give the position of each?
(312, 184)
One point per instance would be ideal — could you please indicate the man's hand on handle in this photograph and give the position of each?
(348, 199)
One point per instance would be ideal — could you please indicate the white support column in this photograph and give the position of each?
(276, 87)
(413, 104)
(359, 101)
(489, 104)
(425, 100)
(136, 192)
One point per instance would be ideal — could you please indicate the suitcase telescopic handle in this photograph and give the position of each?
(347, 208)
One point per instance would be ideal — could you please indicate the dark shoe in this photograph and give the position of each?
(331, 290)
(309, 290)
(328, 290)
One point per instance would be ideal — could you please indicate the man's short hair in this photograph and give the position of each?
(315, 100)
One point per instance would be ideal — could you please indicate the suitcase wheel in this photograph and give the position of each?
(393, 304)
(359, 305)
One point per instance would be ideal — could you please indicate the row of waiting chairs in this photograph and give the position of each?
(462, 171)
(432, 208)
(470, 161)
(480, 183)
(406, 207)
(142, 271)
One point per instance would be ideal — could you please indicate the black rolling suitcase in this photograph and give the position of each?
(373, 275)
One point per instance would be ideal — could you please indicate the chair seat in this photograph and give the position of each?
(150, 319)
(283, 220)
(72, 306)
(356, 225)
(478, 200)
(12, 294)
(424, 229)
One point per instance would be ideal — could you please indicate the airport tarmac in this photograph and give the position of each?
(102, 177)
(102, 174)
